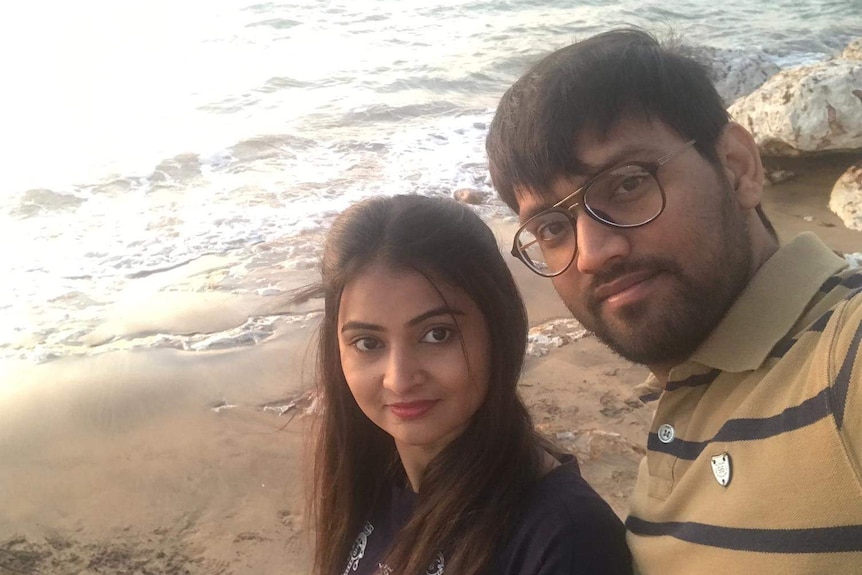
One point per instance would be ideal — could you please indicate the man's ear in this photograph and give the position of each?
(740, 158)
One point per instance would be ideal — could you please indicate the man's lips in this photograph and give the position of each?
(411, 409)
(621, 284)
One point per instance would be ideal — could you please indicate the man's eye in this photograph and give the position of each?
(626, 184)
(630, 184)
(367, 344)
(437, 335)
(550, 231)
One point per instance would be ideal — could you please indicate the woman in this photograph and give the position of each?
(425, 460)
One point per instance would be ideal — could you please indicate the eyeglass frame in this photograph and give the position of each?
(650, 167)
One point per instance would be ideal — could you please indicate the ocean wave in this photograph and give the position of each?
(294, 134)
(277, 23)
(473, 83)
(253, 331)
(277, 83)
(268, 146)
(385, 113)
(260, 8)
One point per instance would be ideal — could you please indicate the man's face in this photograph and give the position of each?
(654, 293)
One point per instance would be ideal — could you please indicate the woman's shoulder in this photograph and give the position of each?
(566, 528)
(564, 495)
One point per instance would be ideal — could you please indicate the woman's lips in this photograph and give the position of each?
(412, 409)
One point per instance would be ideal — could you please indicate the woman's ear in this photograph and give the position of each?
(740, 158)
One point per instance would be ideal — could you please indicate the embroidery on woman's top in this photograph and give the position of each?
(436, 568)
(357, 552)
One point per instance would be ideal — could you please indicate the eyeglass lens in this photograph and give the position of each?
(624, 196)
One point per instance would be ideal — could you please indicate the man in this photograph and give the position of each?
(641, 201)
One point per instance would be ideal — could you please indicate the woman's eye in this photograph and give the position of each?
(437, 335)
(367, 344)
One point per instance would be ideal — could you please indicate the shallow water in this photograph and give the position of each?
(153, 137)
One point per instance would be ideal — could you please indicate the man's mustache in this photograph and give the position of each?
(653, 265)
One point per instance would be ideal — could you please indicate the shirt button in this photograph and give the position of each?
(666, 433)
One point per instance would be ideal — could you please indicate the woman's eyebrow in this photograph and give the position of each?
(348, 325)
(443, 310)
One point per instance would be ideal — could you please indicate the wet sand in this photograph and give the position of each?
(132, 461)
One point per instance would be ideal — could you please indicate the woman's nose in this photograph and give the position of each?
(403, 370)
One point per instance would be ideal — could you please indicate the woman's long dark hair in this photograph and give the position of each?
(474, 487)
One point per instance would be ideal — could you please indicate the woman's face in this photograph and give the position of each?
(416, 363)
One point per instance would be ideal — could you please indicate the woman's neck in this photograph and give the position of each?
(415, 460)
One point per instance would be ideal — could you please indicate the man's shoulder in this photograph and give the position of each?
(839, 298)
(840, 305)
(844, 285)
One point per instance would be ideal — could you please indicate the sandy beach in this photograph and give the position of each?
(175, 462)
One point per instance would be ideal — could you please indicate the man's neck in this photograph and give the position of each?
(764, 248)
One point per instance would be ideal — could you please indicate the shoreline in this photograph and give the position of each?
(170, 460)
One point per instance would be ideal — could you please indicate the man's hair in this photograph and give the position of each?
(590, 86)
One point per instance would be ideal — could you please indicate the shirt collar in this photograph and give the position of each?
(769, 306)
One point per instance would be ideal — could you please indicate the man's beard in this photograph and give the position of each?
(688, 314)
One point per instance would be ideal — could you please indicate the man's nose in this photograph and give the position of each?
(403, 370)
(598, 245)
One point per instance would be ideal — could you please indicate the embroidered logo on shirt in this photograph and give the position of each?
(721, 468)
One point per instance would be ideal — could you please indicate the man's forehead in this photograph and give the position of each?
(630, 139)
(531, 201)
(631, 134)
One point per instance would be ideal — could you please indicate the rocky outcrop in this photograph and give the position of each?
(470, 196)
(846, 198)
(853, 51)
(552, 334)
(735, 73)
(813, 108)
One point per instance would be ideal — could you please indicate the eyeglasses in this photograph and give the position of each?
(626, 196)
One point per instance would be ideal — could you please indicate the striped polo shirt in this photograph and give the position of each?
(754, 458)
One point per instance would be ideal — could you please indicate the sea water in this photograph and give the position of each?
(141, 136)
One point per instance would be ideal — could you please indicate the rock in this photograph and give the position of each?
(179, 168)
(846, 198)
(470, 196)
(853, 51)
(813, 108)
(778, 176)
(552, 334)
(736, 73)
(37, 201)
